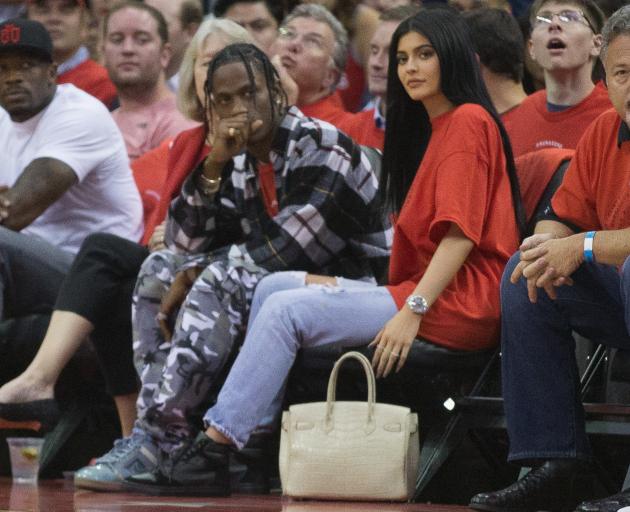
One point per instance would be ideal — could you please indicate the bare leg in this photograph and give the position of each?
(65, 334)
(217, 436)
(126, 407)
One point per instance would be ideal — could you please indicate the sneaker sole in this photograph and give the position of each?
(95, 485)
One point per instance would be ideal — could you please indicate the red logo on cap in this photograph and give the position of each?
(10, 34)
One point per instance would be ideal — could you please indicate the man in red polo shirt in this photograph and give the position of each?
(584, 242)
(565, 41)
(66, 22)
(368, 127)
(312, 47)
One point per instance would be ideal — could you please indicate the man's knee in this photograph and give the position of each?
(156, 274)
(158, 262)
(513, 294)
(511, 266)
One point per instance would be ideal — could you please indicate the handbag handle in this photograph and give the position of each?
(332, 384)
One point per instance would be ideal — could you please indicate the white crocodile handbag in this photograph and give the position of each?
(349, 450)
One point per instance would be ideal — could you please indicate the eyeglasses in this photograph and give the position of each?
(310, 41)
(566, 17)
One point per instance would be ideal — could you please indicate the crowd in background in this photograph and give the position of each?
(140, 207)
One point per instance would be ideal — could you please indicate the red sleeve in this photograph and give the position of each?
(466, 173)
(574, 201)
(149, 172)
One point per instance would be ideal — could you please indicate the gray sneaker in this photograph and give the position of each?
(129, 456)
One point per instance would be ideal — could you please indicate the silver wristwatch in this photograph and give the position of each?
(418, 304)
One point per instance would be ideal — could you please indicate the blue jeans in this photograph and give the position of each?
(285, 321)
(543, 408)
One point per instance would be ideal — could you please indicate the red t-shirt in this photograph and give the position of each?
(362, 128)
(355, 83)
(532, 126)
(266, 179)
(328, 109)
(463, 180)
(149, 172)
(91, 77)
(594, 194)
(508, 116)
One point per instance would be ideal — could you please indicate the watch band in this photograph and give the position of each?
(588, 247)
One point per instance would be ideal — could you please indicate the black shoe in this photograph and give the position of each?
(555, 486)
(257, 460)
(201, 468)
(46, 412)
(610, 504)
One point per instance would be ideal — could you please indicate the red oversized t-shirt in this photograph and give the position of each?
(362, 128)
(532, 127)
(463, 180)
(594, 193)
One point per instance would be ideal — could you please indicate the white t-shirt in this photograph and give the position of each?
(79, 131)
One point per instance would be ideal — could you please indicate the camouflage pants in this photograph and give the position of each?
(178, 376)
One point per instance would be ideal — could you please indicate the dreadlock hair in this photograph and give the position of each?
(408, 127)
(250, 56)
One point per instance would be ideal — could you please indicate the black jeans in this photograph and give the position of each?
(99, 287)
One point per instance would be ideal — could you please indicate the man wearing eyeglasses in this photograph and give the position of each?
(584, 242)
(312, 48)
(565, 40)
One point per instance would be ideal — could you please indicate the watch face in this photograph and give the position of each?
(418, 304)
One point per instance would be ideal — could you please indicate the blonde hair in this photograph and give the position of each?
(187, 100)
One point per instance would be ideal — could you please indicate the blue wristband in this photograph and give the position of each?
(588, 247)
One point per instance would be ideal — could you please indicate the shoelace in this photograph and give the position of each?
(121, 447)
(168, 460)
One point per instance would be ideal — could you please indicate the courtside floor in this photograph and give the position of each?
(61, 496)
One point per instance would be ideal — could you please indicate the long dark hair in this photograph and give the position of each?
(408, 128)
(251, 56)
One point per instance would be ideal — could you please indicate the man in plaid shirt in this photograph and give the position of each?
(278, 191)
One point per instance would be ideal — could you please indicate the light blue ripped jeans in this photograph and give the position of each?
(285, 316)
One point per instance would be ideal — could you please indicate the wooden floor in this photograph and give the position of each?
(61, 496)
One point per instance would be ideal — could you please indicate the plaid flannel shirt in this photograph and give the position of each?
(328, 222)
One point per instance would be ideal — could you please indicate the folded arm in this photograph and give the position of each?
(41, 183)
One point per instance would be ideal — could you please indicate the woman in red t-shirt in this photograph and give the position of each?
(449, 176)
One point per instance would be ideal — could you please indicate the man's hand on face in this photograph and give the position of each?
(231, 134)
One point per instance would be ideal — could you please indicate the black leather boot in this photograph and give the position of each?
(200, 468)
(557, 486)
(257, 457)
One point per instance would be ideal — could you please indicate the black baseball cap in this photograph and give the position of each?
(25, 35)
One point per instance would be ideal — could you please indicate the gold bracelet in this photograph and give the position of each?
(209, 186)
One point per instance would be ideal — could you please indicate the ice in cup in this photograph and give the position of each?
(25, 453)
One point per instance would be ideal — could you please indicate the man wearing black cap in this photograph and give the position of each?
(64, 172)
